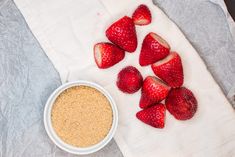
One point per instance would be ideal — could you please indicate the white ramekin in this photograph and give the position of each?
(55, 138)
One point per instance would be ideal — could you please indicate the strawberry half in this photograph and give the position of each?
(153, 116)
(129, 80)
(123, 34)
(181, 103)
(154, 48)
(107, 54)
(170, 70)
(153, 91)
(142, 15)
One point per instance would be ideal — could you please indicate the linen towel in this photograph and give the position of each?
(67, 31)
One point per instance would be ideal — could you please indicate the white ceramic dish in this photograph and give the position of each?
(55, 138)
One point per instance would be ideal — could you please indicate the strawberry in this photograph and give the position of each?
(154, 48)
(153, 91)
(123, 34)
(170, 70)
(181, 103)
(153, 116)
(142, 15)
(107, 54)
(129, 80)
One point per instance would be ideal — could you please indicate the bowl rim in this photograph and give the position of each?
(57, 140)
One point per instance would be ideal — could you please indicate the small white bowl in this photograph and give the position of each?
(56, 139)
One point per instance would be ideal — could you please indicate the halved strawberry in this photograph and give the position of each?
(153, 91)
(154, 48)
(153, 116)
(181, 103)
(123, 34)
(142, 15)
(129, 80)
(107, 54)
(170, 70)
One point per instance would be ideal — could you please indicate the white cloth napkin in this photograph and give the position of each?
(67, 31)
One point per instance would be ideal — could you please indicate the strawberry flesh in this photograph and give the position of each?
(107, 54)
(170, 70)
(123, 34)
(153, 91)
(129, 80)
(153, 116)
(181, 103)
(154, 48)
(142, 15)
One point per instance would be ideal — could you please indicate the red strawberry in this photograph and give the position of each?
(142, 15)
(154, 48)
(170, 70)
(153, 91)
(107, 54)
(129, 80)
(154, 116)
(181, 103)
(123, 34)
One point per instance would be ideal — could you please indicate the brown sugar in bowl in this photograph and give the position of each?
(80, 117)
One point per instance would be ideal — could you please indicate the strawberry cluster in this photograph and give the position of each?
(166, 65)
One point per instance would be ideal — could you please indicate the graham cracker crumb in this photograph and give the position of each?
(81, 116)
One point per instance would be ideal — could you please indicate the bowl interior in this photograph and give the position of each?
(56, 139)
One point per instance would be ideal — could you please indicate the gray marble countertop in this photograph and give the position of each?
(27, 77)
